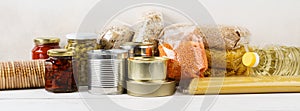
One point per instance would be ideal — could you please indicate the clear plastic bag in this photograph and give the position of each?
(233, 60)
(183, 45)
(149, 29)
(115, 36)
(215, 36)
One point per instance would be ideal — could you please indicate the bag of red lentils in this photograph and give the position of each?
(183, 45)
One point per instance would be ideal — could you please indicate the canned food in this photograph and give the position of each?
(139, 49)
(151, 89)
(107, 71)
(147, 69)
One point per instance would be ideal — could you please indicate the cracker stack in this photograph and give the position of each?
(22, 74)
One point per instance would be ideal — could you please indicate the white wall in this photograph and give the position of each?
(23, 20)
(270, 21)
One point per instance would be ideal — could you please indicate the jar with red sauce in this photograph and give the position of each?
(59, 76)
(42, 45)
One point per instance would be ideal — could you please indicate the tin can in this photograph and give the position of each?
(151, 88)
(139, 49)
(107, 71)
(147, 69)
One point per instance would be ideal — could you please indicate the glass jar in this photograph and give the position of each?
(59, 76)
(80, 44)
(42, 45)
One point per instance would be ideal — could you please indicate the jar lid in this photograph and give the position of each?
(46, 40)
(59, 52)
(250, 59)
(82, 36)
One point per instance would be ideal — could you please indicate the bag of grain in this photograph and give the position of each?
(183, 45)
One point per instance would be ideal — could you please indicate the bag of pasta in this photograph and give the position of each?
(226, 63)
(183, 45)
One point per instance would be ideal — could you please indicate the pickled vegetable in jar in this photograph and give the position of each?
(42, 45)
(80, 44)
(59, 76)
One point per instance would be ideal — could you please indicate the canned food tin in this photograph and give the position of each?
(147, 69)
(139, 49)
(107, 71)
(151, 89)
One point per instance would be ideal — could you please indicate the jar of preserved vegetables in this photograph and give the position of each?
(42, 45)
(59, 76)
(80, 44)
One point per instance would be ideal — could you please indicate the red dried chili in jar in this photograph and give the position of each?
(42, 45)
(59, 76)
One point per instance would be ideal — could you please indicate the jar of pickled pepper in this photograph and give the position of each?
(42, 45)
(80, 44)
(59, 76)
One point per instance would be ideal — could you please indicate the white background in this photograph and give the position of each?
(270, 21)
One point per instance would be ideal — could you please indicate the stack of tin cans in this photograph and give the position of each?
(147, 75)
(132, 69)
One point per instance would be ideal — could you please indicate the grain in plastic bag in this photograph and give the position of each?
(215, 36)
(183, 45)
(149, 28)
(114, 36)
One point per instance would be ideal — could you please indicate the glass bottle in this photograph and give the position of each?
(42, 45)
(273, 61)
(80, 44)
(59, 76)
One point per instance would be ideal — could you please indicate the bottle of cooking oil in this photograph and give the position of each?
(273, 61)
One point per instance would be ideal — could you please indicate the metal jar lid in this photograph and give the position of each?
(59, 52)
(151, 89)
(46, 40)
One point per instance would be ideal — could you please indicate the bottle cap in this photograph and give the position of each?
(250, 59)
(59, 52)
(46, 40)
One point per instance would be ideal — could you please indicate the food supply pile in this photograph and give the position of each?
(151, 58)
